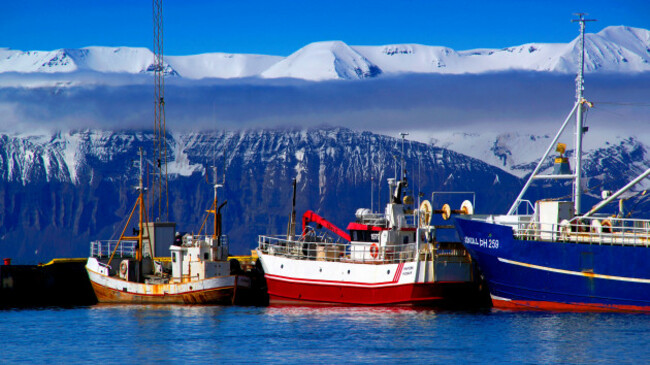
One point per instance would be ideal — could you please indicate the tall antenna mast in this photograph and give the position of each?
(159, 186)
(403, 134)
(580, 100)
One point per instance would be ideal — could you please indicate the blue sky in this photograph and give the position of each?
(281, 27)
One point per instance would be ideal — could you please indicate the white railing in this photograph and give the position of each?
(100, 249)
(354, 252)
(591, 230)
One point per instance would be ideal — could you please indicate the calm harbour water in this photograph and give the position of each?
(200, 334)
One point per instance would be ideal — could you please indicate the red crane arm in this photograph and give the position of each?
(310, 216)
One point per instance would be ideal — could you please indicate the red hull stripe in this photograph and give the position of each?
(331, 282)
(280, 300)
(282, 292)
(398, 272)
(565, 307)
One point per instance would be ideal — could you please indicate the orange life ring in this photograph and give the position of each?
(607, 226)
(374, 250)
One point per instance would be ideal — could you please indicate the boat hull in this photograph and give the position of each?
(222, 295)
(557, 275)
(291, 281)
(289, 291)
(217, 290)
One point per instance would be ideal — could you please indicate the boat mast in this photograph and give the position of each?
(143, 223)
(291, 228)
(402, 162)
(580, 86)
(578, 109)
(217, 223)
(372, 186)
(141, 207)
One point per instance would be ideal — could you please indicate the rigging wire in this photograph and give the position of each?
(620, 103)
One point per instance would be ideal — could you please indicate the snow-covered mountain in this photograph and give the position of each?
(133, 61)
(518, 153)
(324, 61)
(99, 59)
(60, 190)
(614, 49)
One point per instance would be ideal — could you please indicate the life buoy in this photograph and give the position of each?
(374, 250)
(606, 225)
(425, 213)
(123, 268)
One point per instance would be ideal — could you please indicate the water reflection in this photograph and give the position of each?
(348, 311)
(160, 332)
(293, 334)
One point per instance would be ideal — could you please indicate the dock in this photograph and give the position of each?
(63, 282)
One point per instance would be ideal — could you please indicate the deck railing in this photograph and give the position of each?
(591, 230)
(355, 252)
(127, 249)
(102, 249)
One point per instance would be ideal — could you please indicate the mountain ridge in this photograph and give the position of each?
(615, 49)
(87, 187)
(67, 189)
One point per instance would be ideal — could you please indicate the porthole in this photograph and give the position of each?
(282, 266)
(348, 271)
(388, 272)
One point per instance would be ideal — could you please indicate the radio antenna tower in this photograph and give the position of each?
(580, 100)
(159, 186)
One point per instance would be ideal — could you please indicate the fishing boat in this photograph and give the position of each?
(127, 270)
(392, 258)
(557, 257)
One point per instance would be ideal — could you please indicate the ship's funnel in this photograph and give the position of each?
(562, 166)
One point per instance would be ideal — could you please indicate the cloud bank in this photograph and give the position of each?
(523, 101)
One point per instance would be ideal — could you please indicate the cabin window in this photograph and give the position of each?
(174, 257)
(406, 239)
(364, 236)
(205, 256)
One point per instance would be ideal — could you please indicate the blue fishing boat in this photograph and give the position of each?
(557, 257)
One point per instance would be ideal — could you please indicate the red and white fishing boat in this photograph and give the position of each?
(386, 259)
